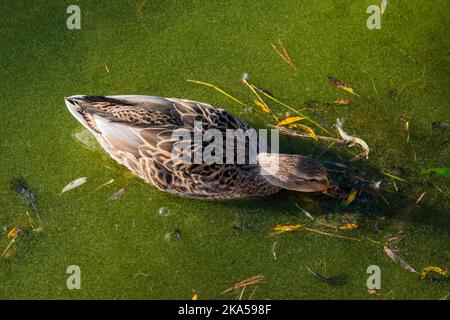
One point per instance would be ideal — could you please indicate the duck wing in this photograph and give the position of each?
(142, 132)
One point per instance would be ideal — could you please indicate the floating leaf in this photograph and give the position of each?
(194, 295)
(310, 131)
(263, 106)
(74, 184)
(344, 102)
(425, 271)
(289, 120)
(442, 172)
(117, 195)
(351, 197)
(274, 247)
(13, 233)
(348, 226)
(375, 293)
(286, 227)
(340, 85)
(395, 257)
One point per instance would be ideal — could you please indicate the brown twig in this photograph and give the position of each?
(253, 280)
(305, 135)
(284, 55)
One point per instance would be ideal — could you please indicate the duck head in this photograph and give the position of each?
(293, 172)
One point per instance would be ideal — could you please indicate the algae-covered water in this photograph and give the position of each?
(126, 249)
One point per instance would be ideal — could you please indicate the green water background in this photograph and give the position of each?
(151, 47)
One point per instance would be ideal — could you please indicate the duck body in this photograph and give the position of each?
(137, 131)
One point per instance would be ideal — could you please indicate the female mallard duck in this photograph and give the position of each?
(138, 132)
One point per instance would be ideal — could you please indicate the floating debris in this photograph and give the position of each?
(12, 234)
(352, 141)
(263, 106)
(431, 269)
(351, 197)
(340, 85)
(168, 236)
(395, 257)
(347, 226)
(306, 213)
(104, 185)
(163, 212)
(282, 228)
(420, 198)
(282, 52)
(375, 293)
(407, 131)
(194, 295)
(274, 253)
(337, 280)
(74, 184)
(308, 130)
(176, 233)
(117, 195)
(86, 139)
(106, 68)
(21, 186)
(387, 174)
(206, 84)
(289, 121)
(286, 228)
(261, 103)
(253, 280)
(343, 102)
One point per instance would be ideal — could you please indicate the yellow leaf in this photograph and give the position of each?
(194, 295)
(286, 227)
(352, 196)
(263, 106)
(340, 85)
(343, 102)
(425, 271)
(289, 120)
(14, 232)
(375, 293)
(310, 131)
(348, 226)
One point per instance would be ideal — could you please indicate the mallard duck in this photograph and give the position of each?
(138, 132)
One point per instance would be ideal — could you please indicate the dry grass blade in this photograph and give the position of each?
(331, 235)
(206, 84)
(253, 280)
(395, 257)
(284, 54)
(340, 85)
(305, 135)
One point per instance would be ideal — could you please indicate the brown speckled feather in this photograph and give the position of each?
(137, 131)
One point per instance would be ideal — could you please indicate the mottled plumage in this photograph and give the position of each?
(138, 132)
